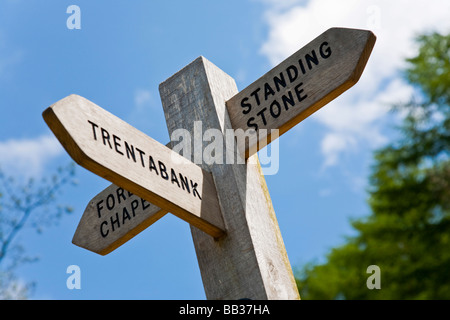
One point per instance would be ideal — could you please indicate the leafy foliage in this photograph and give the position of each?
(408, 233)
(26, 206)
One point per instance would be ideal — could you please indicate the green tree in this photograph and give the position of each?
(26, 205)
(408, 232)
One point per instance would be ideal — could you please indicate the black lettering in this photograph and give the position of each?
(130, 151)
(163, 170)
(174, 177)
(261, 114)
(245, 104)
(279, 82)
(134, 206)
(115, 221)
(117, 144)
(251, 123)
(194, 190)
(327, 53)
(300, 63)
(275, 109)
(105, 135)
(312, 59)
(93, 129)
(113, 201)
(287, 100)
(184, 183)
(299, 92)
(268, 91)
(153, 165)
(120, 194)
(145, 204)
(255, 94)
(104, 223)
(141, 153)
(99, 208)
(292, 77)
(125, 215)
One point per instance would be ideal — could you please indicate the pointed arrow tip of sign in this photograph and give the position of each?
(363, 42)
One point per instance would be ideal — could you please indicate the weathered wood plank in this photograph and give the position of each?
(118, 152)
(251, 260)
(113, 217)
(300, 85)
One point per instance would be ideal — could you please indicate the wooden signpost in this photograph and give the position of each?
(100, 230)
(300, 85)
(114, 150)
(239, 247)
(112, 218)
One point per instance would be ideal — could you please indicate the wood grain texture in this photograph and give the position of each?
(300, 85)
(113, 217)
(251, 260)
(118, 152)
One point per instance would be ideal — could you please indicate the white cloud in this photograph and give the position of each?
(143, 111)
(325, 192)
(27, 157)
(333, 144)
(354, 117)
(141, 98)
(146, 114)
(9, 57)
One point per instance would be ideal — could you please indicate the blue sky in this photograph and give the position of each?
(117, 59)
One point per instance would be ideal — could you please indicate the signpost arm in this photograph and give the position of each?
(250, 261)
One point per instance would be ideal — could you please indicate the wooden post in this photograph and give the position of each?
(250, 261)
(239, 247)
